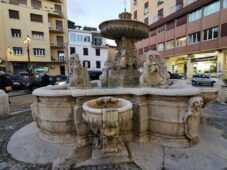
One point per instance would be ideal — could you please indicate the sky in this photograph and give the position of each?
(93, 12)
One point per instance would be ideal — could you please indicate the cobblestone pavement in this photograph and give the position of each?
(218, 116)
(129, 166)
(7, 127)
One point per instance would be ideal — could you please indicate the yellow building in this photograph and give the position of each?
(151, 11)
(45, 22)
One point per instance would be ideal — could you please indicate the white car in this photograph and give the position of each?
(201, 79)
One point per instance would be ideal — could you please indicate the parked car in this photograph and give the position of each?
(61, 79)
(202, 79)
(176, 76)
(18, 82)
(33, 83)
(94, 74)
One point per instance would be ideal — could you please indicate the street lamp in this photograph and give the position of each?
(27, 43)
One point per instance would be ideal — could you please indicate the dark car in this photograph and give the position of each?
(61, 79)
(175, 76)
(33, 83)
(18, 82)
(94, 74)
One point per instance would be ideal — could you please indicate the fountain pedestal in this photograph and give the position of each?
(107, 117)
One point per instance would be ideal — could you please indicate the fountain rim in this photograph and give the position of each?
(123, 20)
(60, 91)
(127, 106)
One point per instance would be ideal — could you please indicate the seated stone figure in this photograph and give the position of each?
(78, 75)
(154, 74)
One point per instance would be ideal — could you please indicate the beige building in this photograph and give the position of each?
(45, 22)
(192, 37)
(151, 11)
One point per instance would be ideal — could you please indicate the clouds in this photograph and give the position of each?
(93, 12)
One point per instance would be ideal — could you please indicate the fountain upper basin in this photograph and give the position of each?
(116, 29)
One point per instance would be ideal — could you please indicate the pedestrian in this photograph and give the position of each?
(5, 83)
(45, 79)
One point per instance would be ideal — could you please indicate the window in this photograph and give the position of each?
(212, 8)
(85, 51)
(195, 15)
(86, 64)
(36, 4)
(36, 18)
(210, 34)
(170, 25)
(146, 20)
(160, 47)
(61, 56)
(98, 64)
(79, 38)
(194, 38)
(72, 50)
(37, 35)
(97, 50)
(170, 44)
(224, 30)
(146, 8)
(17, 50)
(17, 2)
(160, 12)
(14, 14)
(59, 25)
(225, 4)
(58, 8)
(97, 41)
(181, 41)
(16, 33)
(159, 2)
(181, 21)
(39, 51)
(135, 14)
(60, 40)
(161, 29)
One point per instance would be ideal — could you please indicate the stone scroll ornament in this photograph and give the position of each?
(78, 75)
(155, 73)
(192, 119)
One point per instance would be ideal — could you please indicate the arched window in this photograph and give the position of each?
(86, 63)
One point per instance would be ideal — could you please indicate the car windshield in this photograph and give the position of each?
(61, 78)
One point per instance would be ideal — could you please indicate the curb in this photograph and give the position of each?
(21, 111)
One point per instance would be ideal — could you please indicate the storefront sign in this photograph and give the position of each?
(211, 58)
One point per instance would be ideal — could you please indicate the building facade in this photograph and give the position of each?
(192, 38)
(89, 45)
(45, 22)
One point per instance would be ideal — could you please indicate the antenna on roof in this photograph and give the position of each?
(125, 5)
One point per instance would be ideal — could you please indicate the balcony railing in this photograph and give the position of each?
(57, 44)
(176, 8)
(157, 18)
(57, 30)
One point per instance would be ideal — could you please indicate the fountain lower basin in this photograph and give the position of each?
(157, 113)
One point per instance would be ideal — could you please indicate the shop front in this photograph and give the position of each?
(205, 65)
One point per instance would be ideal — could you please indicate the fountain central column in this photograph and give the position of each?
(122, 71)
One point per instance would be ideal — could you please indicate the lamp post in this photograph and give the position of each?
(27, 43)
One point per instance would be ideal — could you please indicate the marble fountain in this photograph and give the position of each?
(129, 106)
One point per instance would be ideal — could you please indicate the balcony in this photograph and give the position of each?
(176, 8)
(57, 44)
(60, 1)
(157, 18)
(95, 44)
(55, 13)
(56, 30)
